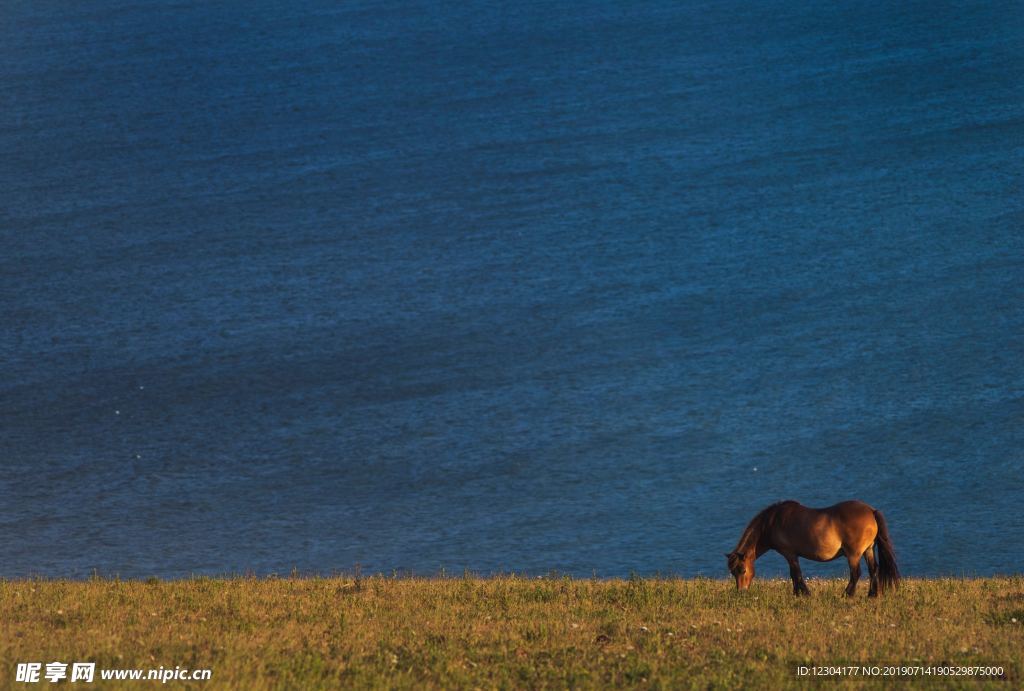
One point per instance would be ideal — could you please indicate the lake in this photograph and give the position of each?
(499, 287)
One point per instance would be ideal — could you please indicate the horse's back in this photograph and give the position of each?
(824, 534)
(852, 509)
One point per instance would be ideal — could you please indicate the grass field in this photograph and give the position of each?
(506, 632)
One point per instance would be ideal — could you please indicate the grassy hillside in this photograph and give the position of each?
(506, 632)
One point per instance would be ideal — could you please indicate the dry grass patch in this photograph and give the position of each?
(507, 632)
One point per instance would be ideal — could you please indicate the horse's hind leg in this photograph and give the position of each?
(869, 557)
(854, 560)
(799, 586)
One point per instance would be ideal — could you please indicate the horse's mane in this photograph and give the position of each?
(761, 523)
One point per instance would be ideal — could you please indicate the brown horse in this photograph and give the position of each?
(849, 529)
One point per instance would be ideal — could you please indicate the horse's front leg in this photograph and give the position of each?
(799, 586)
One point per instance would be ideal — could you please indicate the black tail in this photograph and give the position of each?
(888, 572)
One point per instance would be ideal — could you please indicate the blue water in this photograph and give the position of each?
(522, 286)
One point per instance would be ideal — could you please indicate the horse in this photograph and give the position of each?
(849, 528)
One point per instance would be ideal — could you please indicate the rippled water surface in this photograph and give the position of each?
(519, 286)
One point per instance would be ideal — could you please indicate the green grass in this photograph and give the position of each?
(507, 632)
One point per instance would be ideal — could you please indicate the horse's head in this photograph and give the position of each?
(741, 568)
